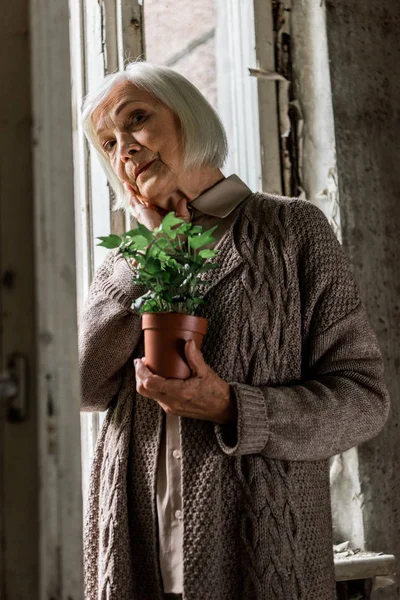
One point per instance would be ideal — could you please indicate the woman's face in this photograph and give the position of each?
(142, 140)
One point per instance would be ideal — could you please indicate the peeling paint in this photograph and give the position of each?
(336, 467)
(328, 200)
(309, 105)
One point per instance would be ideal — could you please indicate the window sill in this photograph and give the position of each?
(364, 565)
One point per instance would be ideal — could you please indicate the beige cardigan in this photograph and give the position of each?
(289, 333)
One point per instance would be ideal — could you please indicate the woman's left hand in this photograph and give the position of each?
(203, 396)
(150, 215)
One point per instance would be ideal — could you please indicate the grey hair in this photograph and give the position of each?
(204, 137)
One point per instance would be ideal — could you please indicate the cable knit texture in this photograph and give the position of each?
(288, 331)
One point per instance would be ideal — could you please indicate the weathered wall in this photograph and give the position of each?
(364, 48)
(313, 96)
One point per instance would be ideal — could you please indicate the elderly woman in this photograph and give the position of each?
(217, 488)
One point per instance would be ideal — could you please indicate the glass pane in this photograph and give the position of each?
(181, 35)
(212, 44)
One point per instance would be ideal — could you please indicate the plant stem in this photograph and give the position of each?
(129, 265)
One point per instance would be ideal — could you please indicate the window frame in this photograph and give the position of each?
(104, 35)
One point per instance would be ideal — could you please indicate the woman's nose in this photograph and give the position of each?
(128, 147)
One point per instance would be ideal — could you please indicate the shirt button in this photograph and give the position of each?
(176, 454)
(179, 514)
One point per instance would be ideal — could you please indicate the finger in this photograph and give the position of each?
(134, 199)
(152, 207)
(182, 211)
(130, 192)
(142, 369)
(158, 388)
(128, 188)
(195, 359)
(131, 195)
(147, 382)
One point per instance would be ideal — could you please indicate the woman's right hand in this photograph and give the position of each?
(150, 215)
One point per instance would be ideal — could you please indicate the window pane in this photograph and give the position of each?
(181, 35)
(212, 44)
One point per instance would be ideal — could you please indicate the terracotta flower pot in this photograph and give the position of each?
(165, 336)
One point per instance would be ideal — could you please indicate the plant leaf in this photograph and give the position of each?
(203, 239)
(138, 242)
(152, 266)
(168, 222)
(150, 306)
(207, 253)
(110, 241)
(184, 228)
(162, 242)
(167, 263)
(142, 230)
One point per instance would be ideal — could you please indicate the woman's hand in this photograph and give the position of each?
(150, 215)
(203, 396)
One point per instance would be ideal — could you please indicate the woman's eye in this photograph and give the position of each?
(108, 146)
(137, 119)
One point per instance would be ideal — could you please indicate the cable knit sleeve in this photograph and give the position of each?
(341, 400)
(109, 331)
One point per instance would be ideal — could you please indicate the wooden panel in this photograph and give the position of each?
(267, 98)
(130, 30)
(19, 533)
(237, 96)
(103, 35)
(57, 376)
(94, 58)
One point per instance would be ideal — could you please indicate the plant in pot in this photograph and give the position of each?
(168, 262)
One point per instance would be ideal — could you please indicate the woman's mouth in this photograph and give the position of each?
(142, 168)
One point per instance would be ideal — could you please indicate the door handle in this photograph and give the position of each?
(14, 388)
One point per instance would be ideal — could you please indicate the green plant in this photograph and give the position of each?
(168, 262)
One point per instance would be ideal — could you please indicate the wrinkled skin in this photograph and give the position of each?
(136, 131)
(203, 396)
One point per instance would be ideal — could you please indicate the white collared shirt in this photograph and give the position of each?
(216, 206)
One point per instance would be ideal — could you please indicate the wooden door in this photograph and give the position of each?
(40, 482)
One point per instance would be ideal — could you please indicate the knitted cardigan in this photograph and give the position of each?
(287, 330)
